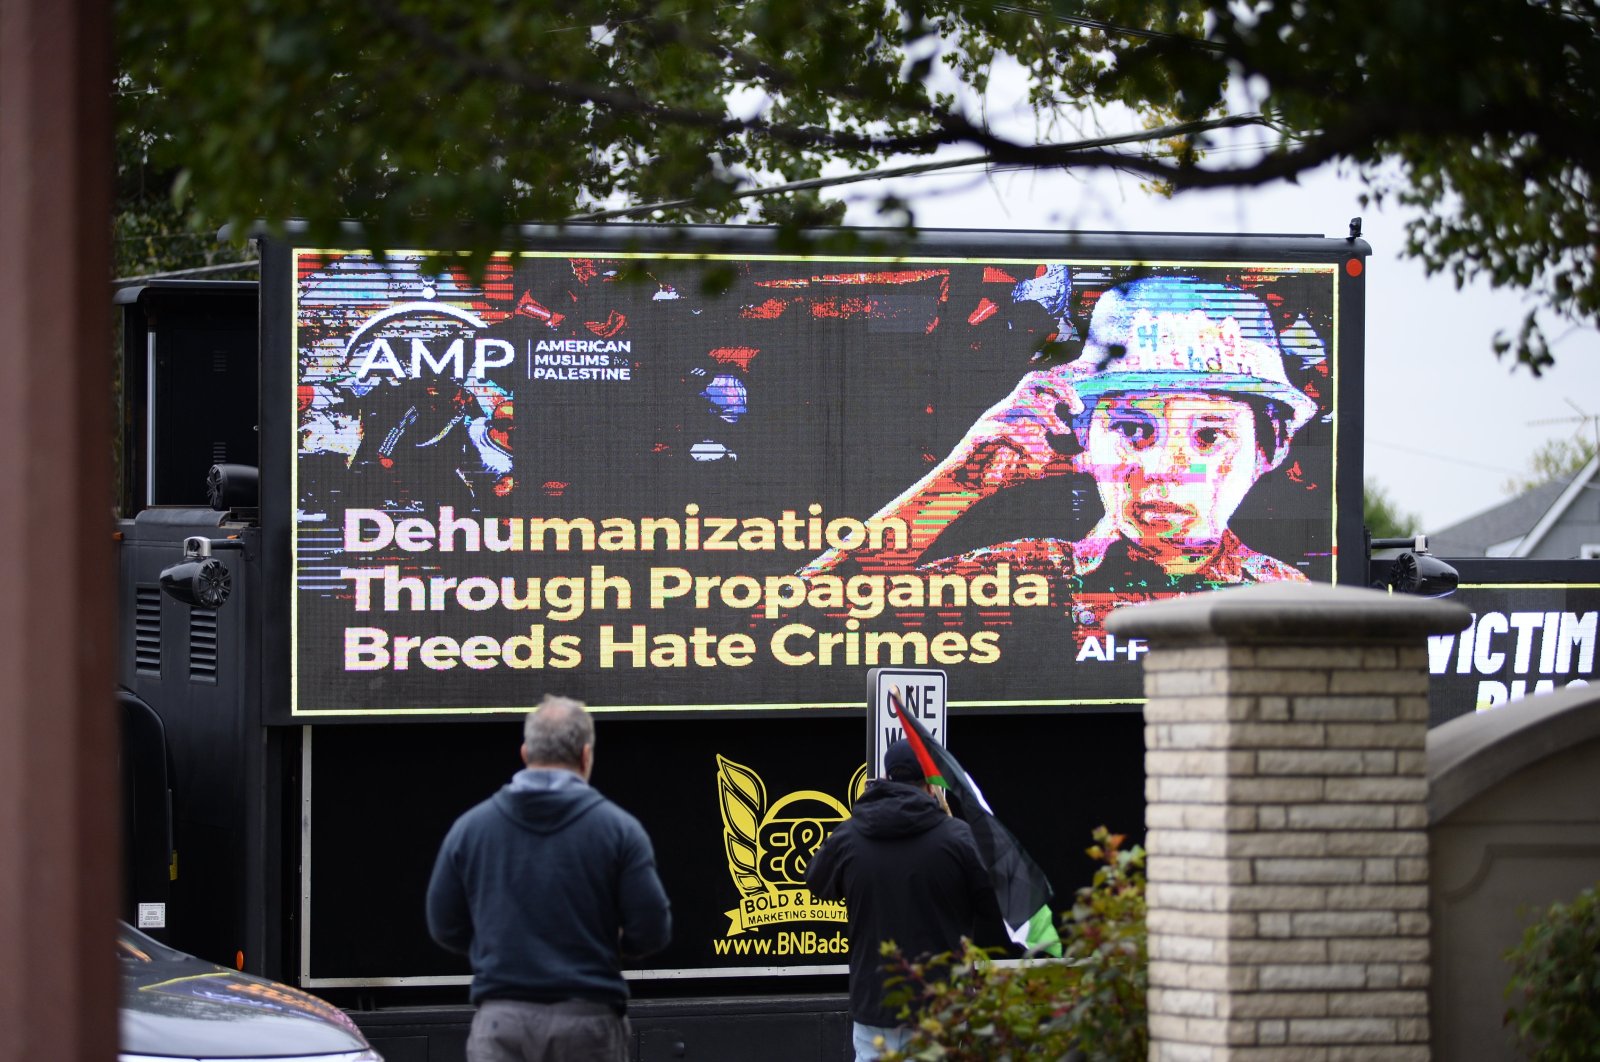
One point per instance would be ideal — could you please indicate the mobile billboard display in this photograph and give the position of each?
(1535, 628)
(733, 480)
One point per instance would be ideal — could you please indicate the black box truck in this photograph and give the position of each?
(375, 506)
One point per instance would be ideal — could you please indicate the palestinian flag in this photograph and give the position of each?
(1020, 886)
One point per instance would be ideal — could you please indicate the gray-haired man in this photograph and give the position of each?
(545, 886)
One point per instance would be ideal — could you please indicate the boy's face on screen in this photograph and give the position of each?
(1171, 468)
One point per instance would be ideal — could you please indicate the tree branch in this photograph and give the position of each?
(625, 102)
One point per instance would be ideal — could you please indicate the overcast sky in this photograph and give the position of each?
(1446, 423)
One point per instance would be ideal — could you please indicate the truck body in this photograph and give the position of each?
(655, 469)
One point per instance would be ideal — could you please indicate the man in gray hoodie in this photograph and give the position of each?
(546, 887)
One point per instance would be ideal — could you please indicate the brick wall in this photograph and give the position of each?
(1286, 823)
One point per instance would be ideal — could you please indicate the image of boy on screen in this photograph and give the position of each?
(1176, 407)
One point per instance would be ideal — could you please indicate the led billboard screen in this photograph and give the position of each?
(735, 481)
(1535, 627)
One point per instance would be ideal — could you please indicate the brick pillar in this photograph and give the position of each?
(1286, 818)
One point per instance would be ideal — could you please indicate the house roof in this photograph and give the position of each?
(1527, 517)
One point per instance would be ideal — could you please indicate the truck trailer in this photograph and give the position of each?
(374, 506)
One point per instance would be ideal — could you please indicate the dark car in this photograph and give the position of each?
(175, 1006)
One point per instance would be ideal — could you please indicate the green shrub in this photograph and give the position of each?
(1090, 1003)
(1555, 983)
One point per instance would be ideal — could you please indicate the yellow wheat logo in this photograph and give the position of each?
(768, 846)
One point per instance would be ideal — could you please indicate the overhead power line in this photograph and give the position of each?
(174, 274)
(883, 173)
(1111, 29)
(1436, 456)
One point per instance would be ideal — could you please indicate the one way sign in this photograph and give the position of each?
(922, 692)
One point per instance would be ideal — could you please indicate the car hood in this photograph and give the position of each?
(175, 1004)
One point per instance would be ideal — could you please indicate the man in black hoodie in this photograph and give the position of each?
(907, 872)
(545, 886)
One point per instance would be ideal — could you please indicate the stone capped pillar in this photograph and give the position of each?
(1286, 822)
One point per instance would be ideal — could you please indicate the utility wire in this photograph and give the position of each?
(1110, 29)
(1442, 457)
(884, 173)
(198, 271)
(914, 169)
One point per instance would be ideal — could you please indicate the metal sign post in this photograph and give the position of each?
(921, 690)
